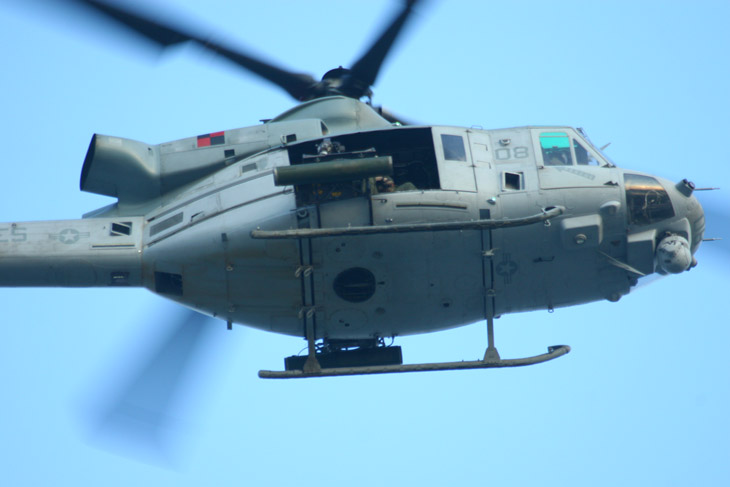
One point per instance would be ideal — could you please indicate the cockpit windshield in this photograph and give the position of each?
(647, 200)
(608, 160)
(583, 156)
(566, 149)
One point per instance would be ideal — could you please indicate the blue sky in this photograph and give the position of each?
(641, 400)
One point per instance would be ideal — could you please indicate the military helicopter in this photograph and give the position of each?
(339, 223)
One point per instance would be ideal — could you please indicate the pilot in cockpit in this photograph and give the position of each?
(385, 184)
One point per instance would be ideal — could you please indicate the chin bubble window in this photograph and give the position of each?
(647, 200)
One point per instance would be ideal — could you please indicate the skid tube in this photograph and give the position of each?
(488, 363)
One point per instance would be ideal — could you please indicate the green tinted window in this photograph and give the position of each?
(551, 140)
(556, 149)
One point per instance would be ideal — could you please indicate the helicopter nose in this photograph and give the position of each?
(693, 212)
(675, 253)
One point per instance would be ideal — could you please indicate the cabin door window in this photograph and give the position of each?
(456, 171)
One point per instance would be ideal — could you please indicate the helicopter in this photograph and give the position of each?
(345, 225)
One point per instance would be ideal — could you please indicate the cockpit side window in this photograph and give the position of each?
(556, 149)
(454, 149)
(583, 156)
(647, 200)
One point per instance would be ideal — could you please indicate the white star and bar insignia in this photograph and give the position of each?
(69, 236)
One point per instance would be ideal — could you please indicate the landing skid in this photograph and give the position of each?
(489, 363)
(312, 367)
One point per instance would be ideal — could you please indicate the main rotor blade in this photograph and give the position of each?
(297, 85)
(365, 70)
(138, 414)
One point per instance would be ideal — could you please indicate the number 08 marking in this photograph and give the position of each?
(505, 153)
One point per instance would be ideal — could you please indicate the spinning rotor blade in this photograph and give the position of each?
(354, 83)
(365, 70)
(296, 84)
(140, 412)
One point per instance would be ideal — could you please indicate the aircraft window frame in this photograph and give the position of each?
(513, 181)
(647, 201)
(584, 154)
(602, 157)
(560, 154)
(578, 142)
(453, 147)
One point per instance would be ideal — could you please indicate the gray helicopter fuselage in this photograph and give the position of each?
(188, 212)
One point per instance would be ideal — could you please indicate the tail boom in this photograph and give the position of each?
(94, 252)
